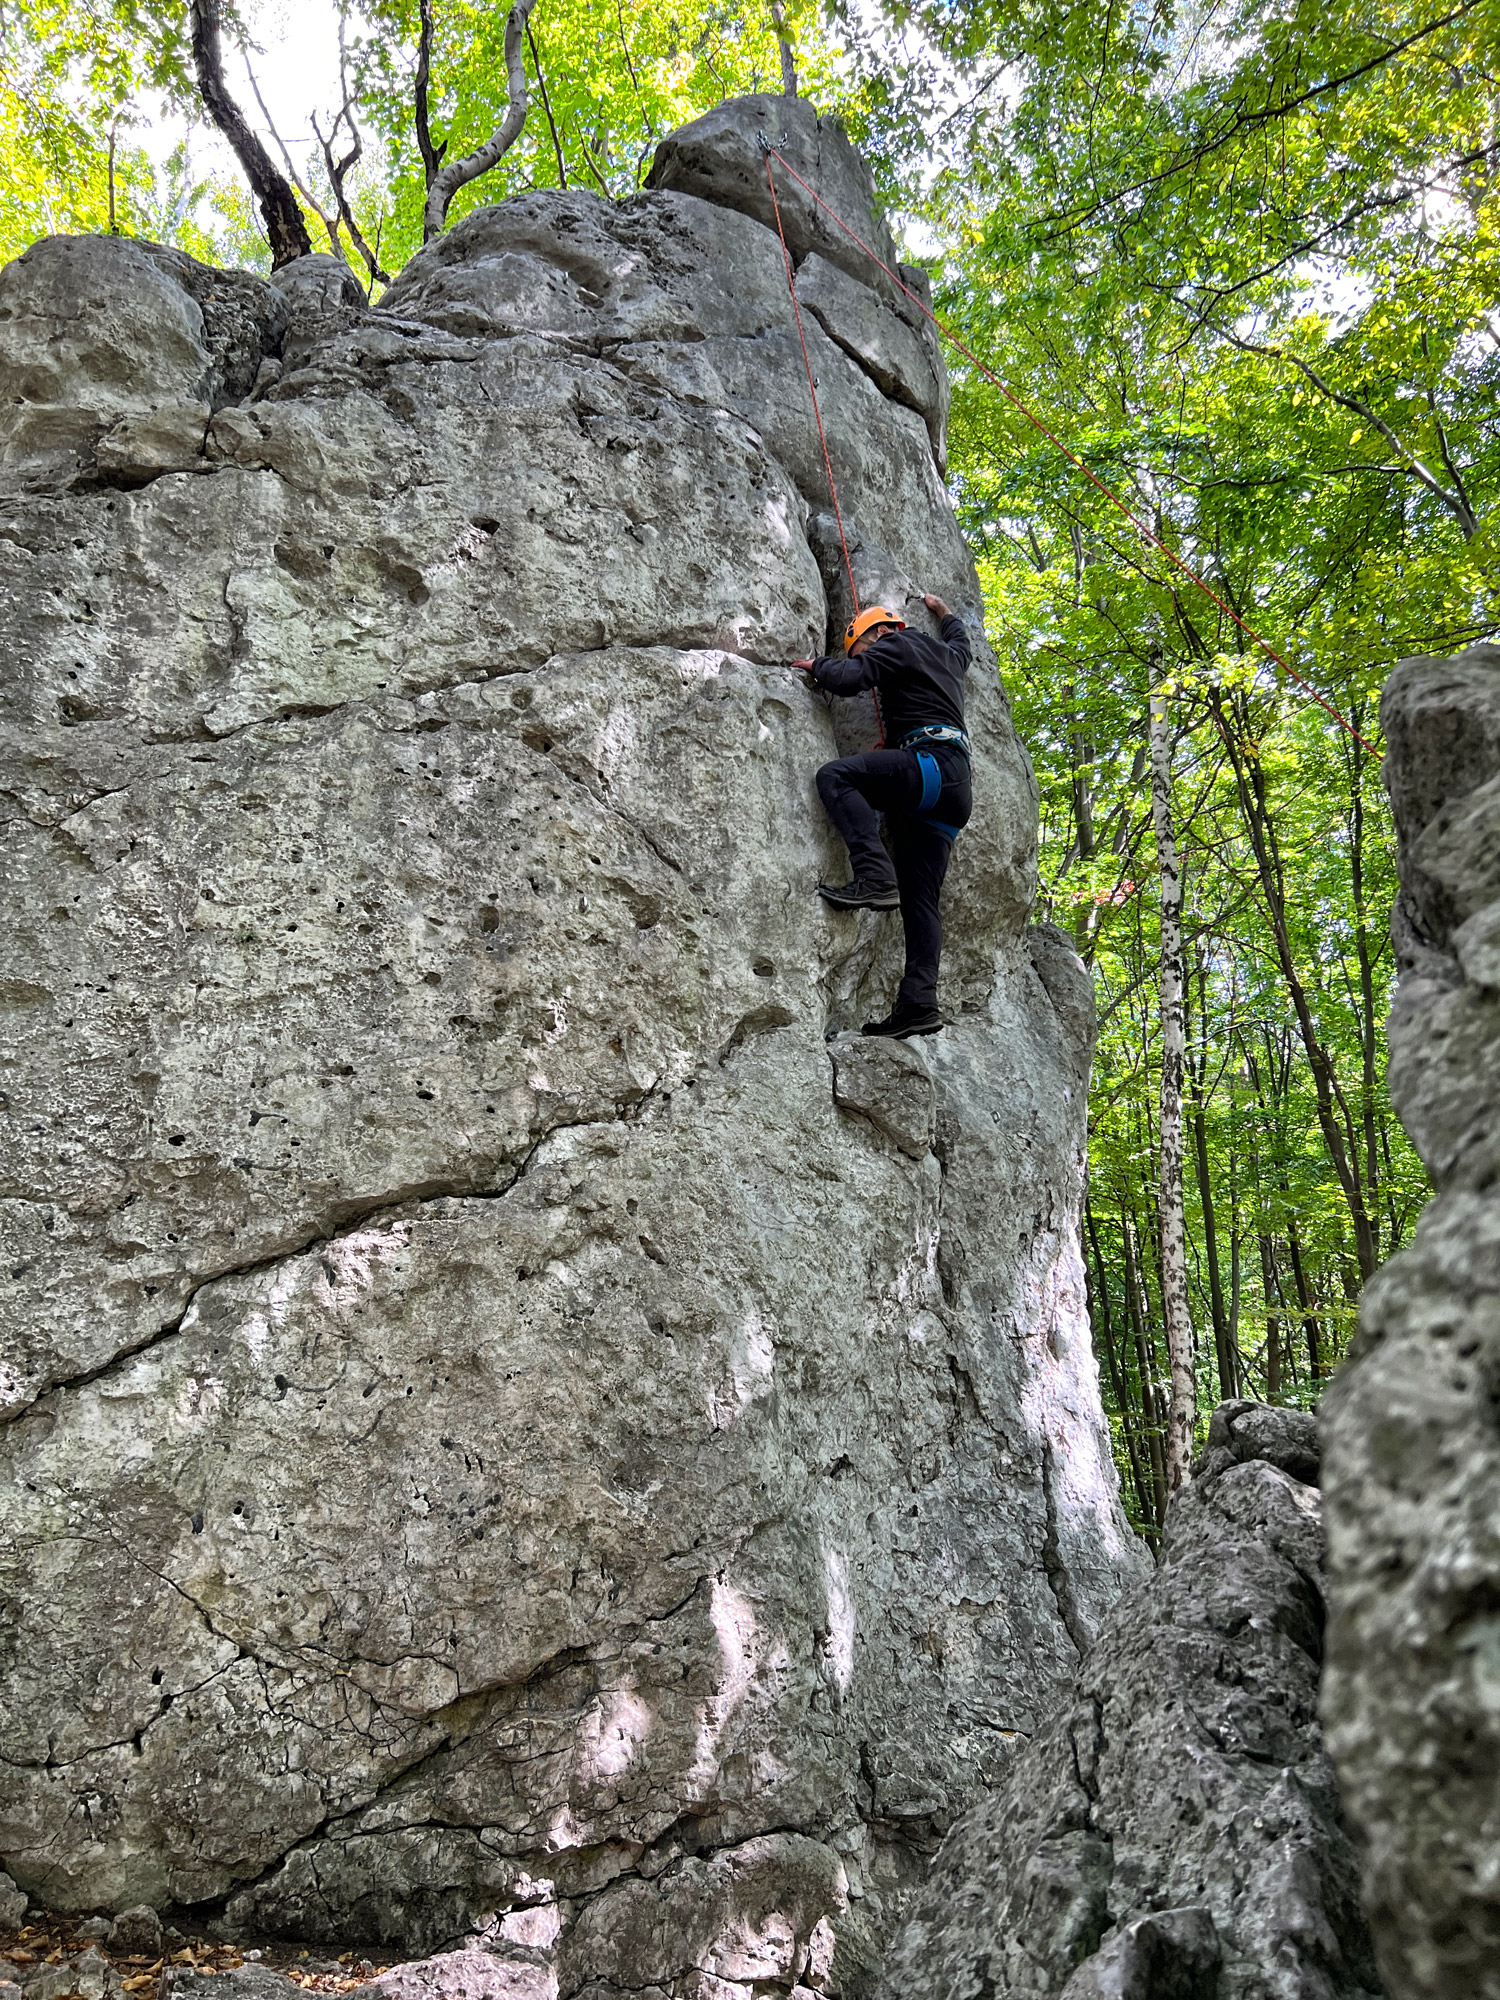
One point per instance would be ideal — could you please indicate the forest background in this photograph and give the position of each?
(1244, 260)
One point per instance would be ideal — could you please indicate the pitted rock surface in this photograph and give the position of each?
(491, 1434)
(1411, 1431)
(1173, 1832)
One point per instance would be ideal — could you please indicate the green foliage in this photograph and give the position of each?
(79, 80)
(608, 79)
(1243, 261)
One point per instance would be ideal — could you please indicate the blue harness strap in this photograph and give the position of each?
(932, 781)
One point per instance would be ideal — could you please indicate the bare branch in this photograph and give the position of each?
(458, 173)
(536, 57)
(339, 170)
(338, 173)
(329, 222)
(285, 229)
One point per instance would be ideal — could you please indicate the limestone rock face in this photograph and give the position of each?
(521, 1430)
(1412, 1437)
(1174, 1831)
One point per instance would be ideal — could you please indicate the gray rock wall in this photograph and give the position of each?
(1412, 1423)
(520, 1426)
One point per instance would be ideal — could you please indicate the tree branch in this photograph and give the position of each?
(458, 173)
(1442, 435)
(329, 222)
(1456, 503)
(432, 156)
(562, 172)
(285, 229)
(1245, 121)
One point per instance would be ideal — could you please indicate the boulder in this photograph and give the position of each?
(1173, 1832)
(463, 1975)
(721, 157)
(1411, 1437)
(240, 1982)
(499, 1450)
(136, 1932)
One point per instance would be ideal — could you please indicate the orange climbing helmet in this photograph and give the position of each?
(876, 615)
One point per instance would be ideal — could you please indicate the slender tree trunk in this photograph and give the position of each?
(285, 230)
(1101, 1316)
(1224, 1354)
(1145, 1366)
(536, 59)
(1174, 1279)
(432, 153)
(1304, 1299)
(1273, 1321)
(1333, 1113)
(449, 179)
(788, 65)
(1369, 1089)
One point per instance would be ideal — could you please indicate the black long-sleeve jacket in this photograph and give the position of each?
(917, 680)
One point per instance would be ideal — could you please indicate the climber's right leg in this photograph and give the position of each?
(855, 792)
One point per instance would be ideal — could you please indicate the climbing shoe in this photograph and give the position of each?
(861, 896)
(903, 1021)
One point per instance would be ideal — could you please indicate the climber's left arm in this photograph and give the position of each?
(956, 636)
(845, 676)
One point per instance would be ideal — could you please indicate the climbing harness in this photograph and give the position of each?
(772, 153)
(932, 791)
(932, 781)
(937, 732)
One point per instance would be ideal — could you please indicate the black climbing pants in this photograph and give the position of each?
(856, 792)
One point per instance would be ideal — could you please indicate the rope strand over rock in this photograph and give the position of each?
(812, 387)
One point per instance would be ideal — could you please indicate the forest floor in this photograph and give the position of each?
(69, 1945)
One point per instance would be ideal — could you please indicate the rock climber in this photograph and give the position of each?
(921, 787)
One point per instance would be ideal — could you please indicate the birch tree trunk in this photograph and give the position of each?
(1174, 1284)
(447, 181)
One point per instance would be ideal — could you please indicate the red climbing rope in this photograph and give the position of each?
(812, 389)
(1051, 437)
